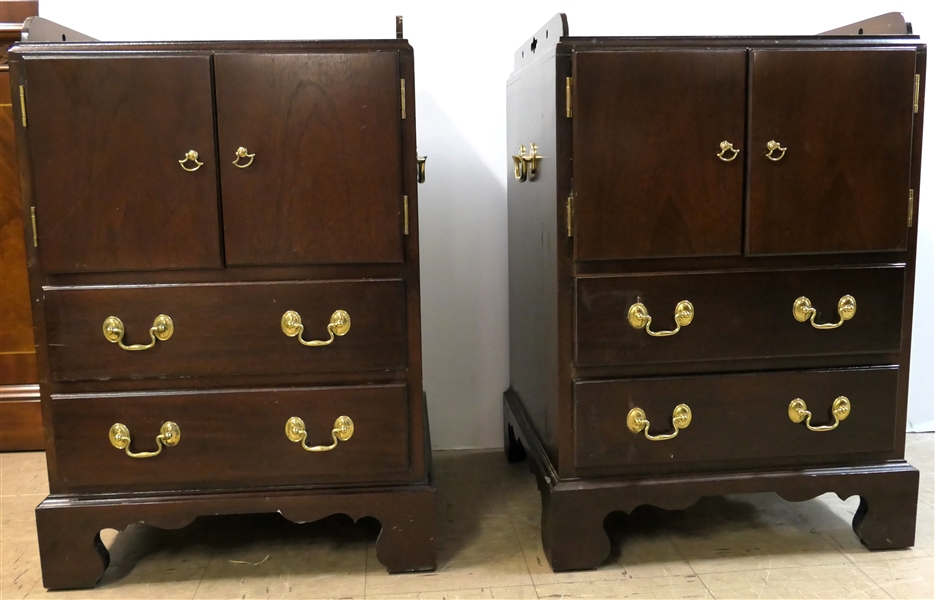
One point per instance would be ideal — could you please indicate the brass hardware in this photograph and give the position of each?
(242, 153)
(915, 98)
(802, 311)
(772, 146)
(420, 168)
(531, 161)
(22, 103)
(728, 147)
(169, 436)
(639, 318)
(35, 232)
(840, 409)
(519, 164)
(911, 194)
(191, 155)
(343, 430)
(402, 98)
(569, 213)
(637, 422)
(568, 97)
(291, 324)
(162, 330)
(405, 215)
(525, 165)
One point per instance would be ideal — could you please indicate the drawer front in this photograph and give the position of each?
(225, 329)
(735, 417)
(737, 315)
(231, 438)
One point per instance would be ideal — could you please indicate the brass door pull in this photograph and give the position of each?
(162, 330)
(420, 168)
(840, 409)
(340, 324)
(637, 422)
(802, 311)
(242, 153)
(191, 155)
(343, 430)
(728, 147)
(519, 164)
(772, 146)
(639, 318)
(169, 435)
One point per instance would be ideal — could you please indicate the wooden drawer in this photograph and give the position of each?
(225, 328)
(738, 315)
(735, 417)
(231, 438)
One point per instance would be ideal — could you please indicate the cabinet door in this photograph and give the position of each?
(844, 118)
(325, 183)
(106, 136)
(648, 127)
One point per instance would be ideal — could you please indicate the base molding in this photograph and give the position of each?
(573, 511)
(20, 418)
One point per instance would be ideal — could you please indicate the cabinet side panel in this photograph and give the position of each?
(533, 241)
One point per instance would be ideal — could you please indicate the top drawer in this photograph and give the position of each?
(737, 315)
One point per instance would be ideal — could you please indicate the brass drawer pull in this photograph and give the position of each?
(802, 311)
(639, 318)
(191, 155)
(420, 168)
(637, 422)
(162, 330)
(242, 153)
(772, 146)
(291, 324)
(169, 435)
(840, 409)
(728, 147)
(343, 430)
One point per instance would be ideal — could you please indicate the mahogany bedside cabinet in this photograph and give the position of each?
(712, 253)
(223, 241)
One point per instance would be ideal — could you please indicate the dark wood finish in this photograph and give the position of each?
(738, 315)
(226, 329)
(654, 186)
(325, 129)
(840, 187)
(109, 191)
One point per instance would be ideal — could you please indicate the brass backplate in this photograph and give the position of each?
(113, 330)
(637, 316)
(841, 407)
(291, 324)
(682, 415)
(340, 322)
(170, 433)
(684, 314)
(847, 307)
(343, 428)
(119, 436)
(164, 327)
(802, 309)
(798, 410)
(635, 419)
(295, 429)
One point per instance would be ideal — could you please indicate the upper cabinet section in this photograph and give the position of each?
(112, 184)
(840, 124)
(319, 176)
(656, 140)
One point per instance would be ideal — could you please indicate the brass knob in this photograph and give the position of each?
(802, 311)
(162, 330)
(342, 431)
(840, 409)
(242, 153)
(169, 435)
(291, 324)
(639, 318)
(637, 422)
(192, 156)
(728, 147)
(772, 146)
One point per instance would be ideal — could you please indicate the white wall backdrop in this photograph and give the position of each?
(464, 54)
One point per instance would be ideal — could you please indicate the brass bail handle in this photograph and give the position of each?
(840, 409)
(519, 164)
(342, 432)
(169, 436)
(639, 318)
(420, 168)
(727, 147)
(802, 311)
(191, 156)
(242, 153)
(162, 330)
(637, 422)
(772, 146)
(339, 325)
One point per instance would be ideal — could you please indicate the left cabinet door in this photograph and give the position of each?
(106, 137)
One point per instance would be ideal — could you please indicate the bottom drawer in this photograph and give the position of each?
(231, 438)
(734, 418)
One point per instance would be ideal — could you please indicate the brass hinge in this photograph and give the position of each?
(568, 97)
(911, 194)
(915, 96)
(402, 97)
(22, 103)
(35, 233)
(406, 215)
(569, 213)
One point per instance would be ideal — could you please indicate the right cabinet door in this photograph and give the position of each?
(830, 143)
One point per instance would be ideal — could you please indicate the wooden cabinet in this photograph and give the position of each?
(712, 259)
(226, 286)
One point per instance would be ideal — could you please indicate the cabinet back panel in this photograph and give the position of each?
(325, 183)
(647, 129)
(107, 135)
(845, 118)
